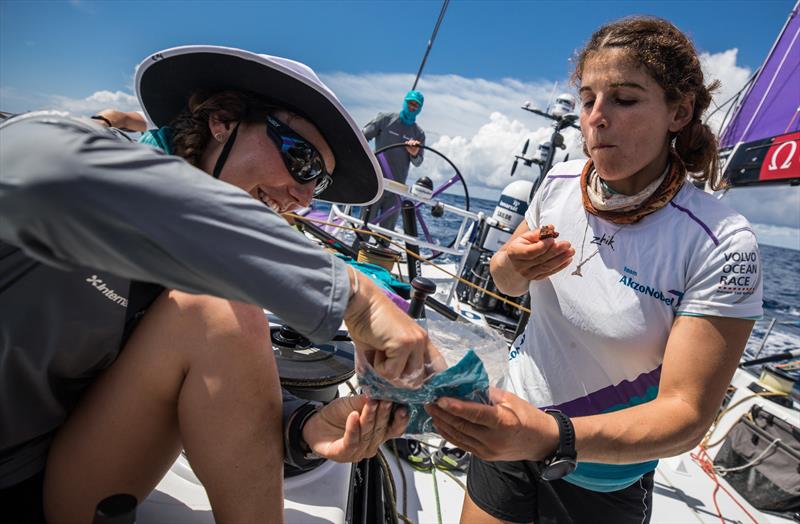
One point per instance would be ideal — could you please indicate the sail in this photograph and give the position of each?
(764, 132)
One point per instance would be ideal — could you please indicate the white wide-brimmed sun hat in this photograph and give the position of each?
(165, 80)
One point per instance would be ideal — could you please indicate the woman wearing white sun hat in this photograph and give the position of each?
(85, 218)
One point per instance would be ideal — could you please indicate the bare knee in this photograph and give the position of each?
(222, 322)
(227, 348)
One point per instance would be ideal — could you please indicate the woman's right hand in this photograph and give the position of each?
(526, 257)
(391, 341)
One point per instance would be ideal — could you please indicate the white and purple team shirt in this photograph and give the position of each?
(595, 343)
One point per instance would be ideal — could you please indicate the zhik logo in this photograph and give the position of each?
(609, 241)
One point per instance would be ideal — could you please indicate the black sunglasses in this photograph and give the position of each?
(302, 160)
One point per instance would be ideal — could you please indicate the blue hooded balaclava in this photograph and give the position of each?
(407, 116)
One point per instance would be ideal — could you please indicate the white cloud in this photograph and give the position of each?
(722, 66)
(95, 102)
(779, 206)
(485, 159)
(477, 123)
(480, 126)
(454, 105)
(787, 237)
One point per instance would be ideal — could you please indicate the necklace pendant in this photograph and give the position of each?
(577, 272)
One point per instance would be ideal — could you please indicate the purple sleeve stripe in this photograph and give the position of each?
(702, 224)
(611, 398)
(564, 176)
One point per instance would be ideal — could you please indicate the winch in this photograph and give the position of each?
(312, 371)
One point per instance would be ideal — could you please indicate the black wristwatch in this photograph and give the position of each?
(562, 462)
(296, 450)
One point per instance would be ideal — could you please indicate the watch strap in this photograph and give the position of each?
(566, 435)
(296, 451)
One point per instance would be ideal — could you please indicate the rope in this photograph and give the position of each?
(388, 485)
(403, 477)
(436, 496)
(704, 461)
(725, 411)
(453, 477)
(352, 389)
(418, 257)
(722, 471)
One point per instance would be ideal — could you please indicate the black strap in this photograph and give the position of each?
(226, 149)
(566, 434)
(102, 119)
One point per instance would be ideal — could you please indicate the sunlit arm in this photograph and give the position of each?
(506, 278)
(700, 358)
(129, 121)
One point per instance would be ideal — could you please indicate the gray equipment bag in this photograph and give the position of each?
(761, 460)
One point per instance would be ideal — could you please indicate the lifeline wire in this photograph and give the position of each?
(418, 257)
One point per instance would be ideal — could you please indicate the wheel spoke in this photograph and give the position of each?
(436, 192)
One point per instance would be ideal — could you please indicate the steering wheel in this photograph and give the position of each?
(436, 192)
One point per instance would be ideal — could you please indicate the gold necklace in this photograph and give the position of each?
(582, 261)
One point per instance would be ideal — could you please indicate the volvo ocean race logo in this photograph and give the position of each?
(670, 298)
(109, 293)
(739, 273)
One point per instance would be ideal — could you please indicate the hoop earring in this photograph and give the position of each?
(220, 137)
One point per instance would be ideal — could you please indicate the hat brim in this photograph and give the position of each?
(166, 80)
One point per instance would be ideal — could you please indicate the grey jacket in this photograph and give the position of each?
(82, 214)
(388, 129)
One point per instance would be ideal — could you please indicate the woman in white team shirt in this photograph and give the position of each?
(641, 307)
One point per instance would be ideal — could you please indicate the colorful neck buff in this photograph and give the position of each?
(628, 209)
(407, 116)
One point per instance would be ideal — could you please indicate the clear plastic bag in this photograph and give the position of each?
(454, 339)
(471, 358)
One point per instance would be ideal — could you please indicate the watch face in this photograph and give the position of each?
(559, 468)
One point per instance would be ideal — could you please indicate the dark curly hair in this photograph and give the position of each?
(190, 132)
(671, 60)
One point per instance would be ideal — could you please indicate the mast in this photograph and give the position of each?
(430, 42)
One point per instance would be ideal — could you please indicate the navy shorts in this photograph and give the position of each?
(515, 492)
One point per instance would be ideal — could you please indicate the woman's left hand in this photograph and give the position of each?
(510, 429)
(350, 429)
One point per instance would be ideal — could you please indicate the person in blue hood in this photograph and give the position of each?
(394, 128)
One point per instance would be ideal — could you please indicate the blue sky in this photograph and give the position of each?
(488, 58)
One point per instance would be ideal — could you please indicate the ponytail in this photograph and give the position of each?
(696, 145)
